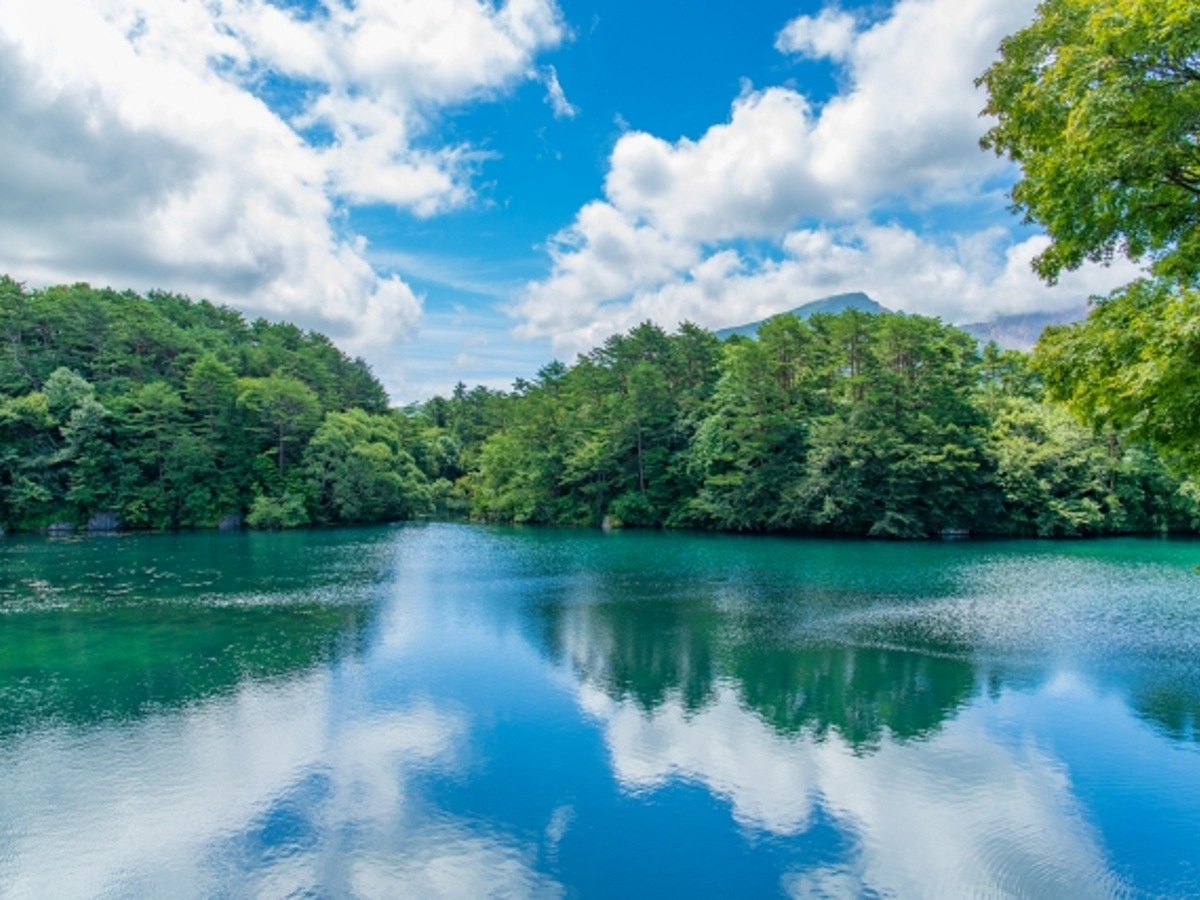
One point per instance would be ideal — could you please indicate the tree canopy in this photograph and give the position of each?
(164, 412)
(1134, 364)
(1099, 103)
(889, 426)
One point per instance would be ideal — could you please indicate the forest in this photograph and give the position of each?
(882, 425)
(159, 412)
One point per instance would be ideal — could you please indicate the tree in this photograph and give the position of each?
(90, 447)
(29, 491)
(65, 392)
(152, 433)
(171, 412)
(273, 513)
(358, 471)
(749, 449)
(1099, 103)
(288, 409)
(1134, 363)
(211, 392)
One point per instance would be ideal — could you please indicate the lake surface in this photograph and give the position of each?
(447, 710)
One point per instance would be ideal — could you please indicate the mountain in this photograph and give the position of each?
(1017, 332)
(1022, 331)
(833, 305)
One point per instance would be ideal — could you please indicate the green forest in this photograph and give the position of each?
(882, 425)
(166, 413)
(159, 412)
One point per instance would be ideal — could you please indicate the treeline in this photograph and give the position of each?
(161, 412)
(889, 426)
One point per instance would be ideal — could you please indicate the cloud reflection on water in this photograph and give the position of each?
(271, 791)
(959, 814)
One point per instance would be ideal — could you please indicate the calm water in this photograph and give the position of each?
(455, 711)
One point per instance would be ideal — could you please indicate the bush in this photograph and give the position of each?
(273, 513)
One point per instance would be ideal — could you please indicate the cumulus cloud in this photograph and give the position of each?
(747, 177)
(961, 278)
(139, 151)
(603, 256)
(909, 123)
(830, 35)
(718, 229)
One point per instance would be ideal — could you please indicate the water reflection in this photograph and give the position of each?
(454, 711)
(271, 791)
(196, 716)
(960, 815)
(81, 666)
(781, 734)
(881, 714)
(647, 652)
(1172, 707)
(119, 627)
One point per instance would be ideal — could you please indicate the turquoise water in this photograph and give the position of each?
(448, 710)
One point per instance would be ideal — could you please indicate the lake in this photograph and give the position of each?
(450, 710)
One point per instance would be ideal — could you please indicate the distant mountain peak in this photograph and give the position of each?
(832, 305)
(1021, 332)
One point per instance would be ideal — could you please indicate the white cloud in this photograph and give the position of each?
(603, 256)
(909, 124)
(138, 154)
(707, 229)
(748, 177)
(555, 96)
(962, 278)
(828, 35)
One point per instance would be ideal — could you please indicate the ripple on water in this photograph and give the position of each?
(1075, 607)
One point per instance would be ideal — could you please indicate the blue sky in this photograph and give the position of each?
(457, 189)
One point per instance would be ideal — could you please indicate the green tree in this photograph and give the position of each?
(90, 447)
(286, 409)
(112, 400)
(1134, 364)
(1098, 101)
(752, 446)
(222, 437)
(211, 391)
(899, 451)
(30, 492)
(273, 513)
(358, 470)
(152, 432)
(1059, 478)
(65, 392)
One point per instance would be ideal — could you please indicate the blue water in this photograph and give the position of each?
(450, 710)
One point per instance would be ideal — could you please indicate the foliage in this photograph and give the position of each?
(889, 426)
(1134, 363)
(273, 513)
(358, 470)
(605, 437)
(170, 413)
(1099, 103)
(286, 409)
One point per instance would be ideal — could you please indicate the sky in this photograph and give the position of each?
(463, 190)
